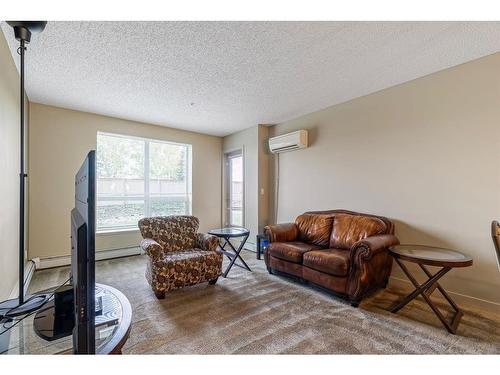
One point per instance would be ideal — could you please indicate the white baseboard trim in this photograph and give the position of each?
(29, 270)
(65, 260)
(462, 300)
(250, 246)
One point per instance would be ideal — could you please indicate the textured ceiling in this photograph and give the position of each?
(221, 77)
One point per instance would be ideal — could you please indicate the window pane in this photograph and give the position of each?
(172, 205)
(119, 214)
(131, 186)
(237, 217)
(168, 162)
(119, 157)
(169, 181)
(236, 189)
(120, 181)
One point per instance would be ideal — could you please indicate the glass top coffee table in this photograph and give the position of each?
(113, 324)
(232, 253)
(430, 256)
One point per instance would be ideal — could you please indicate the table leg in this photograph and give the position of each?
(426, 289)
(235, 255)
(237, 252)
(440, 288)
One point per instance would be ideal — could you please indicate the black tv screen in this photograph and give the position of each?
(83, 257)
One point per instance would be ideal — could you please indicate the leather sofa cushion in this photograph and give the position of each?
(331, 261)
(348, 229)
(315, 228)
(285, 266)
(290, 251)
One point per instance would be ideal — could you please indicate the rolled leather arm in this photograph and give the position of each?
(371, 265)
(207, 241)
(286, 232)
(152, 248)
(372, 245)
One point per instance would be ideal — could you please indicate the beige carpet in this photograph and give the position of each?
(258, 313)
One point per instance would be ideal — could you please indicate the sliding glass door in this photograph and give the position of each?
(234, 189)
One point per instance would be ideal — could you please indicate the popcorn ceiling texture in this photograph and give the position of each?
(237, 74)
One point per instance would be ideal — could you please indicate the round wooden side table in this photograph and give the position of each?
(430, 256)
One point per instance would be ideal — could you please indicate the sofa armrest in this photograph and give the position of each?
(207, 241)
(152, 248)
(371, 265)
(372, 245)
(286, 232)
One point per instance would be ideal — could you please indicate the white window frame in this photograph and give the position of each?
(147, 196)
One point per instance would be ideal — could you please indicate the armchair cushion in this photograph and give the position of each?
(331, 261)
(348, 229)
(183, 268)
(290, 251)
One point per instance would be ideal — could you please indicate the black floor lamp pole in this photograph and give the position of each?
(22, 305)
(22, 180)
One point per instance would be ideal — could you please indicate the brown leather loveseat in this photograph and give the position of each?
(341, 251)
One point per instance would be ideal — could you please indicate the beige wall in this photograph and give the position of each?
(9, 164)
(59, 141)
(425, 153)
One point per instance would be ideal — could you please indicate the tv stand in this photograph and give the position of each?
(49, 326)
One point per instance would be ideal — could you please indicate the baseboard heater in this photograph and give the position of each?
(65, 260)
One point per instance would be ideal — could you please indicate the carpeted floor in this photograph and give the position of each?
(258, 313)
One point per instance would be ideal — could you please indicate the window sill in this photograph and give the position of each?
(108, 232)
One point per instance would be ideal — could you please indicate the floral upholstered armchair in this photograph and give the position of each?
(178, 255)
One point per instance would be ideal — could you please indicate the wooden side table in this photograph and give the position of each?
(430, 256)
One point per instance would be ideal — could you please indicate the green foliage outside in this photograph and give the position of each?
(122, 215)
(119, 157)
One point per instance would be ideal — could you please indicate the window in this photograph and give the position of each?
(139, 177)
(234, 188)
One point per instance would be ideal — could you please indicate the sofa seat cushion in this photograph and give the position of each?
(349, 229)
(290, 251)
(331, 261)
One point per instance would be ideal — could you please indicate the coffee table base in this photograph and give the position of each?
(425, 290)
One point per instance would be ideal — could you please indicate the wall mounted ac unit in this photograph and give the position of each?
(288, 142)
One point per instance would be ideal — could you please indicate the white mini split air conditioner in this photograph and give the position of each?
(288, 142)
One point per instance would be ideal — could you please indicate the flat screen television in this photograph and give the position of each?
(83, 256)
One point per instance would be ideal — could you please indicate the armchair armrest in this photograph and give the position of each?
(152, 248)
(373, 245)
(207, 241)
(286, 232)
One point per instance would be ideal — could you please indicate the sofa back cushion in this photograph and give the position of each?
(315, 228)
(173, 233)
(348, 229)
